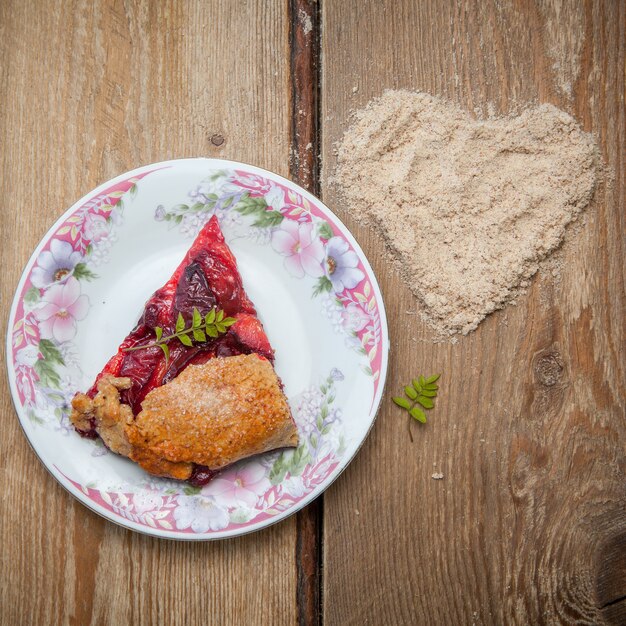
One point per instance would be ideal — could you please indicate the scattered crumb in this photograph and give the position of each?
(356, 512)
(437, 476)
(355, 89)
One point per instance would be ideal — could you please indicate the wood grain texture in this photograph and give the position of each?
(528, 525)
(90, 90)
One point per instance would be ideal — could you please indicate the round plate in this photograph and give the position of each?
(85, 286)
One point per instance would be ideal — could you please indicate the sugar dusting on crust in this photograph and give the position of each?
(214, 414)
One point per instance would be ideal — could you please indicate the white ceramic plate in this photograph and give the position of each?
(84, 288)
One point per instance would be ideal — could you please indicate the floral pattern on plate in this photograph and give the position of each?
(298, 230)
(250, 491)
(310, 245)
(51, 305)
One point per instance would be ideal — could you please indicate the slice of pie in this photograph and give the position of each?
(204, 402)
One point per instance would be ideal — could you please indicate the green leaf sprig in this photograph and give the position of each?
(422, 392)
(212, 325)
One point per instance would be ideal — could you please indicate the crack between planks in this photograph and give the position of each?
(612, 602)
(304, 43)
(304, 169)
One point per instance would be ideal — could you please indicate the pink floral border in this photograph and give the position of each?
(162, 517)
(362, 294)
(69, 230)
(275, 500)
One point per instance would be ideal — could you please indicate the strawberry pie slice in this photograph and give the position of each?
(192, 389)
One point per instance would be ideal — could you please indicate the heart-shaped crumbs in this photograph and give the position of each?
(467, 207)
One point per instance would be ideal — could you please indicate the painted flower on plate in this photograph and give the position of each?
(242, 514)
(192, 223)
(64, 426)
(302, 248)
(96, 227)
(352, 342)
(330, 444)
(69, 354)
(61, 307)
(256, 184)
(341, 265)
(354, 318)
(27, 356)
(25, 386)
(160, 485)
(308, 410)
(275, 198)
(196, 194)
(218, 184)
(337, 374)
(242, 484)
(333, 310)
(200, 514)
(52, 398)
(294, 486)
(147, 501)
(55, 265)
(160, 213)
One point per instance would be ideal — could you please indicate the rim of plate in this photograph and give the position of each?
(297, 506)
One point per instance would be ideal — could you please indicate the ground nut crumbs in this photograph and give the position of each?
(467, 208)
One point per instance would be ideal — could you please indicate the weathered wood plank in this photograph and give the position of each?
(529, 430)
(304, 169)
(89, 90)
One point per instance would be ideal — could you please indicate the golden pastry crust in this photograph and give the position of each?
(82, 412)
(212, 414)
(111, 416)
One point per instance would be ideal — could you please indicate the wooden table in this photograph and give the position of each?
(529, 523)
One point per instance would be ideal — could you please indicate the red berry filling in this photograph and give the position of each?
(206, 279)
